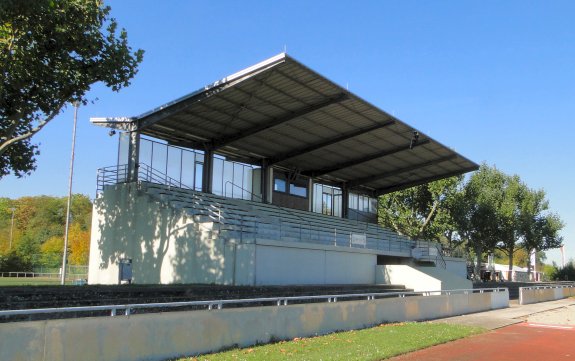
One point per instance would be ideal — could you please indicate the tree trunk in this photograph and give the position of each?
(510, 273)
(478, 257)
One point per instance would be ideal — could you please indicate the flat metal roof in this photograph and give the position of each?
(283, 113)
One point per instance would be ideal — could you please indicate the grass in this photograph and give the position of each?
(29, 281)
(375, 343)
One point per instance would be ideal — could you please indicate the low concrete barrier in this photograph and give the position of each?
(536, 294)
(160, 336)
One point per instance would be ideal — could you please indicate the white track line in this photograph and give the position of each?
(550, 326)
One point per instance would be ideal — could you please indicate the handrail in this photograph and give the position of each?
(218, 304)
(275, 205)
(546, 287)
(153, 174)
(438, 257)
(119, 174)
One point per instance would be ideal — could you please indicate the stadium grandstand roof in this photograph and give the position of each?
(283, 113)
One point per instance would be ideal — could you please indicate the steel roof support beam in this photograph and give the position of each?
(357, 182)
(340, 138)
(222, 142)
(353, 162)
(406, 185)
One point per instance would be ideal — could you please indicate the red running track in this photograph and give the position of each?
(522, 341)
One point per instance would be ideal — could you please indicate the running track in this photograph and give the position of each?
(522, 341)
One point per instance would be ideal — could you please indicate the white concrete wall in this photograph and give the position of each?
(165, 245)
(161, 336)
(456, 266)
(529, 295)
(420, 278)
(168, 246)
(407, 276)
(284, 263)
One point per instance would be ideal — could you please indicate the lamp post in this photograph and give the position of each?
(12, 226)
(65, 256)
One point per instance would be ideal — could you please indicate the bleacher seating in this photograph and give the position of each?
(255, 220)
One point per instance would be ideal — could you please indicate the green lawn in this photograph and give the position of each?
(29, 281)
(369, 344)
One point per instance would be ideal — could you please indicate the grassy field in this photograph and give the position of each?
(29, 281)
(375, 343)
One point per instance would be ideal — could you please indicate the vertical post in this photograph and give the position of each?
(12, 227)
(133, 155)
(65, 256)
(208, 171)
(265, 180)
(344, 200)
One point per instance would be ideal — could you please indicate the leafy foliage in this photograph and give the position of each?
(566, 273)
(421, 211)
(39, 225)
(491, 211)
(51, 52)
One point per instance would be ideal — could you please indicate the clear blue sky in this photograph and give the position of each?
(493, 80)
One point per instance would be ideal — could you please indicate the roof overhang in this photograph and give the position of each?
(282, 113)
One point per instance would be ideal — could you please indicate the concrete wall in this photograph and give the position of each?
(284, 263)
(160, 336)
(165, 244)
(420, 278)
(456, 266)
(529, 295)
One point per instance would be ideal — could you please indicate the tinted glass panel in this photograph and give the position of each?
(279, 185)
(298, 190)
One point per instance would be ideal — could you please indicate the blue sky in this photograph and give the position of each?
(493, 80)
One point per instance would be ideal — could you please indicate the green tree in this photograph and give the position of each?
(51, 53)
(475, 211)
(421, 212)
(539, 230)
(508, 214)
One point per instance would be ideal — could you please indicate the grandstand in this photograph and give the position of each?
(269, 176)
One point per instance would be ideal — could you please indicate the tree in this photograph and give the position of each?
(420, 212)
(539, 230)
(79, 245)
(475, 211)
(508, 214)
(51, 52)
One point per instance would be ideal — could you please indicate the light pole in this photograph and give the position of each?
(64, 257)
(12, 226)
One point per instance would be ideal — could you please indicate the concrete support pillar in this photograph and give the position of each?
(266, 183)
(133, 156)
(344, 201)
(208, 171)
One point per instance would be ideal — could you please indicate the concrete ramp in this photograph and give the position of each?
(420, 278)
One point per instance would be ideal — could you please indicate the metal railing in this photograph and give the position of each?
(14, 274)
(315, 234)
(248, 302)
(287, 211)
(426, 255)
(111, 175)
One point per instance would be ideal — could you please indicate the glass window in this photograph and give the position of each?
(175, 164)
(145, 152)
(198, 175)
(217, 177)
(123, 146)
(326, 203)
(373, 205)
(188, 168)
(279, 185)
(297, 190)
(159, 157)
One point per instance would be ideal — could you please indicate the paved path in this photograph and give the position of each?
(543, 331)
